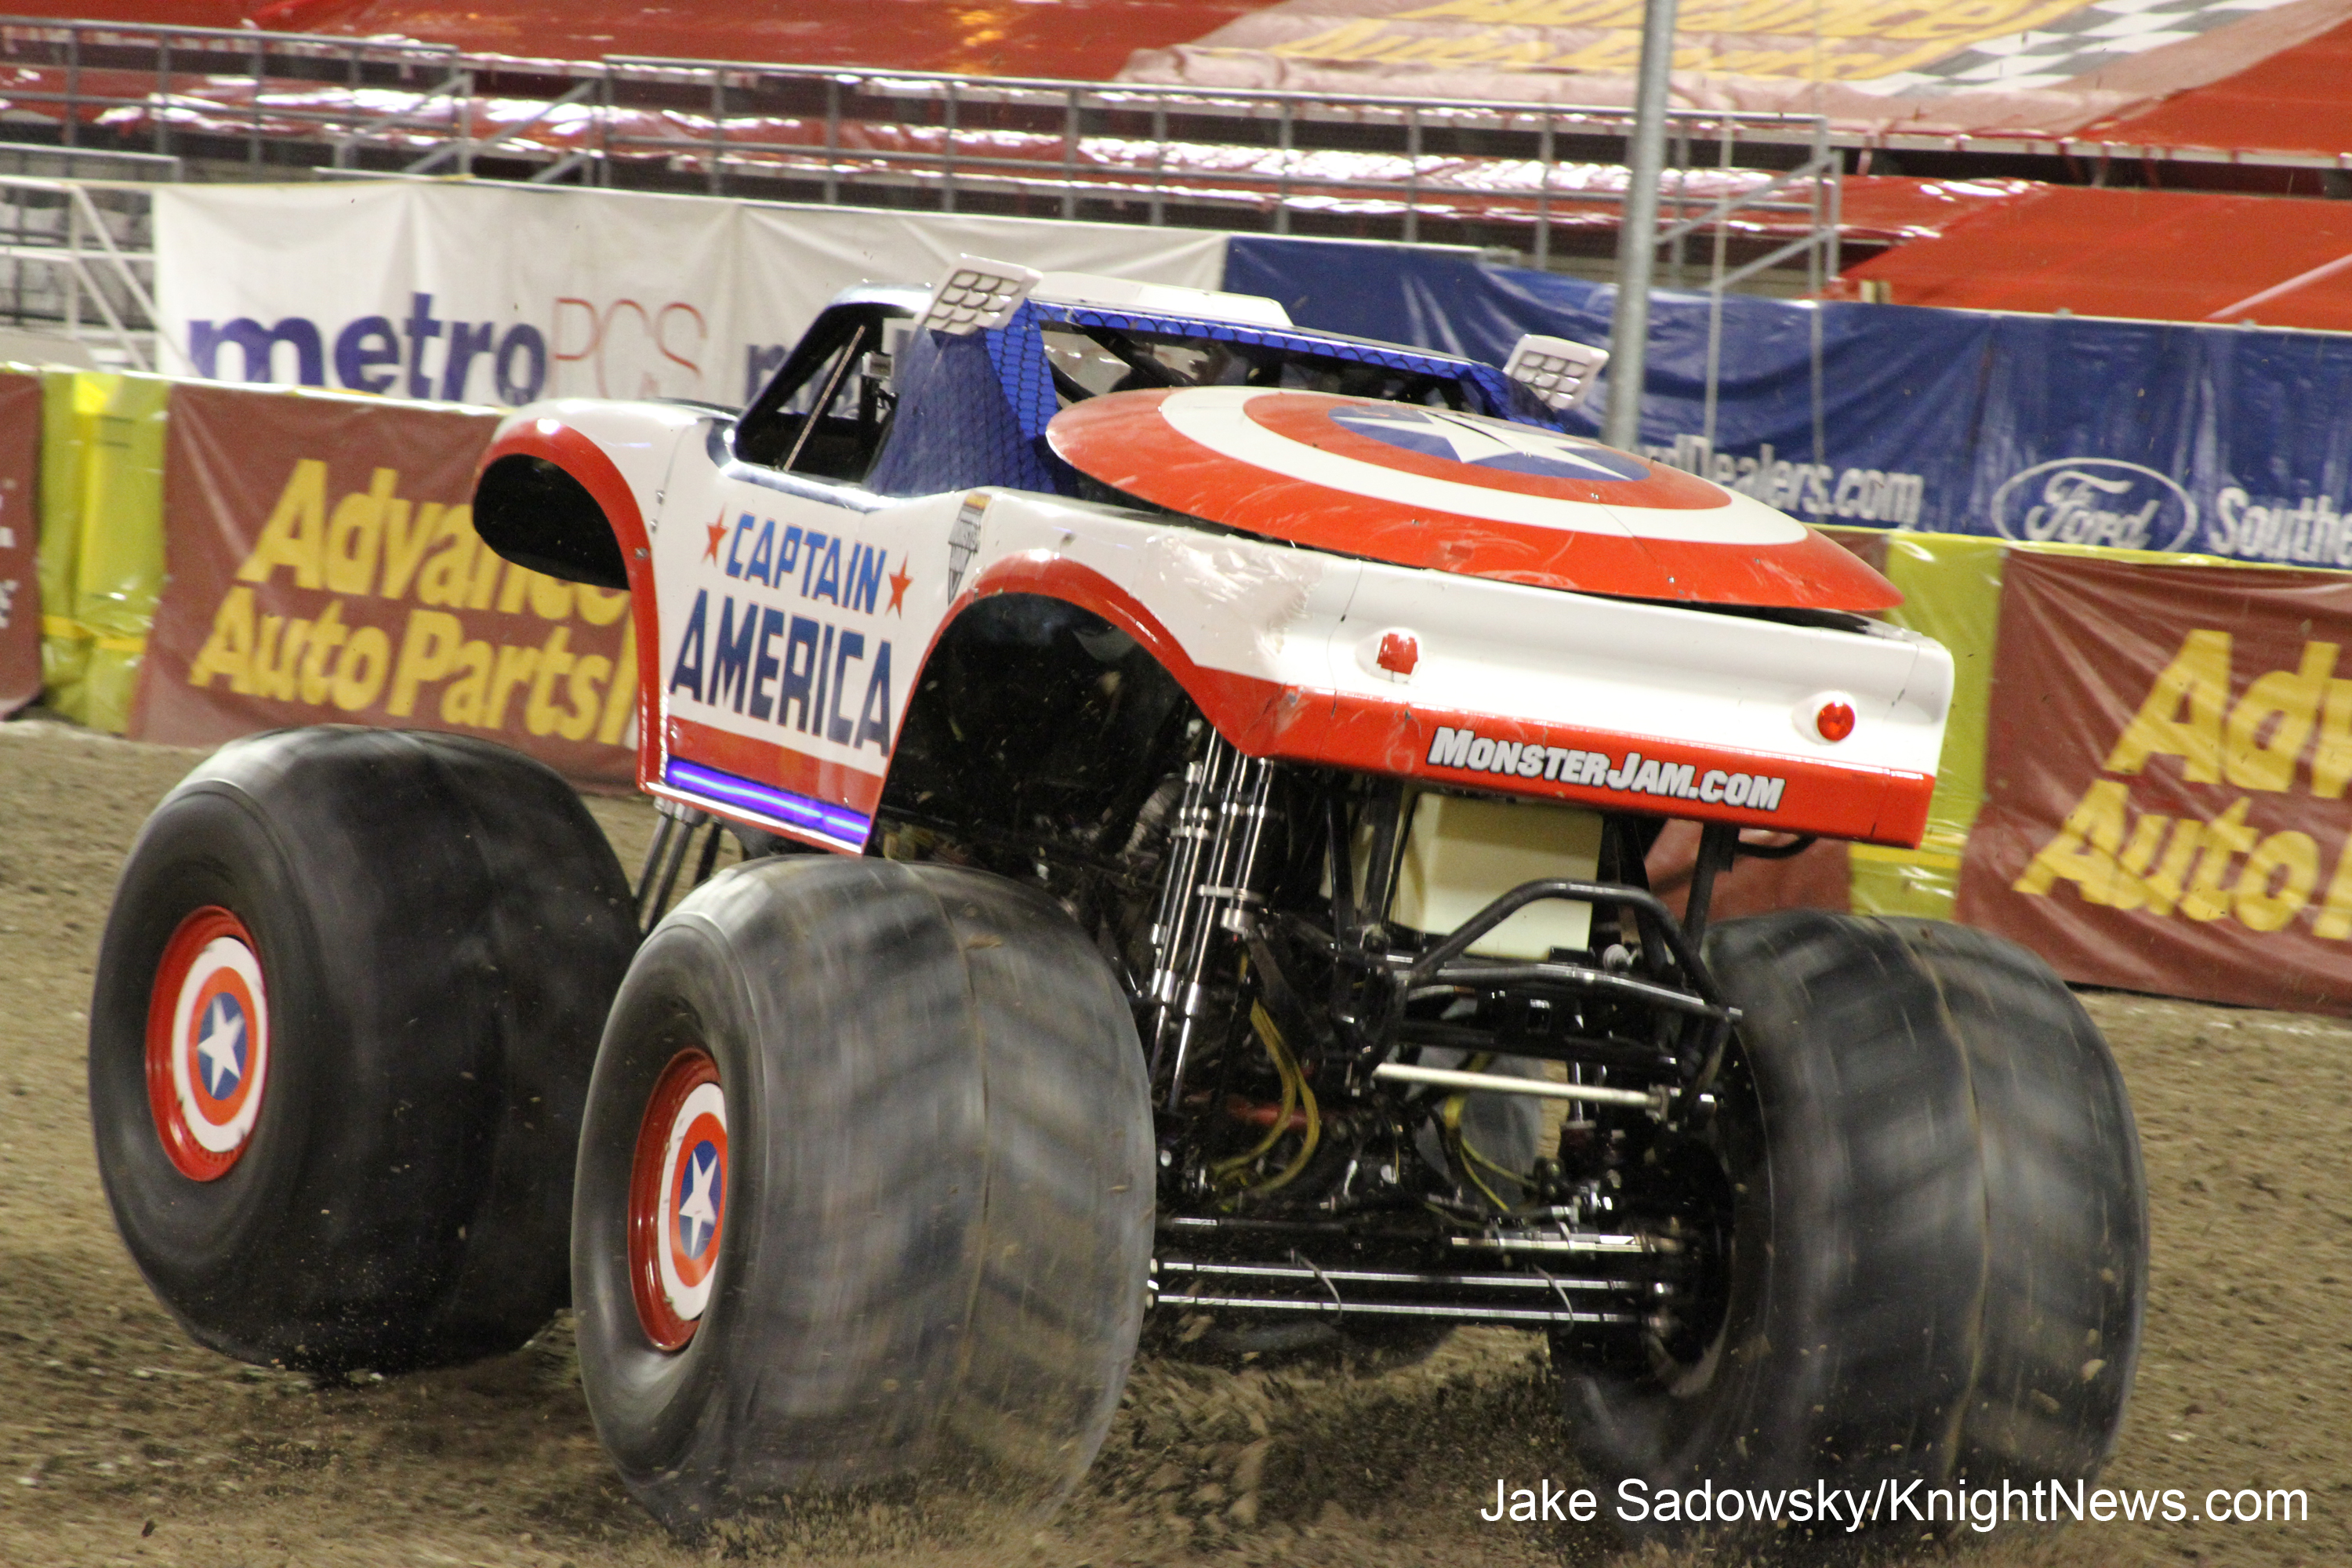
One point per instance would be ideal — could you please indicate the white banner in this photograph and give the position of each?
(500, 294)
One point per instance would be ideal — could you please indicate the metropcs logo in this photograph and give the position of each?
(612, 348)
(1635, 774)
(2094, 500)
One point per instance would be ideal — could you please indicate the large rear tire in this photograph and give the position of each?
(346, 1005)
(1934, 1242)
(865, 1193)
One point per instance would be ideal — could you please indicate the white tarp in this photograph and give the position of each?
(503, 294)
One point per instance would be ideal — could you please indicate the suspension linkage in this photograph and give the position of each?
(1448, 965)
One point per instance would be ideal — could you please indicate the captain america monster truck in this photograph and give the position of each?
(1190, 780)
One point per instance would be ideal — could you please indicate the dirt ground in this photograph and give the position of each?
(123, 1443)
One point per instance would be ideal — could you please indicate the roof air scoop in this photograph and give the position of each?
(1559, 372)
(978, 296)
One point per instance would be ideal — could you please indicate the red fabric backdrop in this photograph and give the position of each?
(20, 530)
(1086, 39)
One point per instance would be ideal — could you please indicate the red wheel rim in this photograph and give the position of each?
(207, 1044)
(677, 1199)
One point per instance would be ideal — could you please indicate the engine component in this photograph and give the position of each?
(1461, 852)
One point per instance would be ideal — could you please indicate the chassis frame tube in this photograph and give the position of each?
(1498, 1083)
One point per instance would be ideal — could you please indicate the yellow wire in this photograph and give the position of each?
(1460, 1146)
(1296, 1094)
(1274, 1042)
(1503, 1171)
(1450, 1118)
(1274, 1133)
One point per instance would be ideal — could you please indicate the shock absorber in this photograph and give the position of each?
(1209, 896)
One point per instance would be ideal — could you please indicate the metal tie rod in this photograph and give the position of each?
(1330, 1277)
(1497, 1083)
(1471, 1310)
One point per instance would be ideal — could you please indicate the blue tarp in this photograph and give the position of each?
(2230, 440)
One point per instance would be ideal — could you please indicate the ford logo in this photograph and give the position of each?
(2094, 500)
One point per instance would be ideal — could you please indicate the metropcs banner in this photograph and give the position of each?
(324, 569)
(505, 294)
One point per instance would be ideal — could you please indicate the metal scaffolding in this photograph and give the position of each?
(1745, 200)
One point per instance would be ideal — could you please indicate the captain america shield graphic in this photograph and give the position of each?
(677, 1199)
(208, 1043)
(1492, 444)
(1446, 490)
(695, 1175)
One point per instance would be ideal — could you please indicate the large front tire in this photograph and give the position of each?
(346, 1008)
(865, 1193)
(1934, 1237)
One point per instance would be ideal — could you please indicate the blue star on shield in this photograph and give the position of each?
(698, 1212)
(1491, 444)
(220, 1046)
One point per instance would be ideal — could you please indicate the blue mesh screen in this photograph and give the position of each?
(973, 410)
(957, 423)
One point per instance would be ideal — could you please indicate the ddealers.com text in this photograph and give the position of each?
(1981, 1507)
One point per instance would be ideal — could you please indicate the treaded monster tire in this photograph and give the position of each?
(430, 929)
(2066, 1217)
(924, 1252)
(1938, 1239)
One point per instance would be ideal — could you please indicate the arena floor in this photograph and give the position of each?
(123, 1443)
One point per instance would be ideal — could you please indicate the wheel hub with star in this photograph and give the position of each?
(677, 1199)
(1456, 492)
(207, 1044)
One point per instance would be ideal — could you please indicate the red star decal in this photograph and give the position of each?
(899, 580)
(718, 533)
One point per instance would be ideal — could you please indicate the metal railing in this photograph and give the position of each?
(215, 90)
(1389, 167)
(78, 261)
(1746, 197)
(1545, 180)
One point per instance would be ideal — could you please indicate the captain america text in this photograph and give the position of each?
(773, 558)
(800, 688)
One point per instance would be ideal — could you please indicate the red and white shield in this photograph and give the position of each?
(677, 1199)
(208, 1043)
(1456, 492)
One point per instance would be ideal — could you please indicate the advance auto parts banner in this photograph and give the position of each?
(324, 569)
(2166, 775)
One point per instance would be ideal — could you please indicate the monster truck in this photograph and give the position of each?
(1190, 781)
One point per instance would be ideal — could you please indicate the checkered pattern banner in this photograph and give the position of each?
(2071, 47)
(2028, 68)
